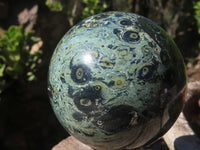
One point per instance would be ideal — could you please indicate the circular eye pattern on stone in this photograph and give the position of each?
(80, 74)
(119, 82)
(125, 22)
(97, 88)
(85, 102)
(131, 36)
(147, 72)
(106, 63)
(146, 49)
(136, 28)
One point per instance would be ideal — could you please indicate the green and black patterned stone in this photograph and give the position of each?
(116, 81)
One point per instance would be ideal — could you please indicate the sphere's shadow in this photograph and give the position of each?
(188, 142)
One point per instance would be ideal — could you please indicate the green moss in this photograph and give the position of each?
(197, 14)
(17, 56)
(57, 6)
(93, 7)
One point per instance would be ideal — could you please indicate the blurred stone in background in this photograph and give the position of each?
(192, 107)
(4, 9)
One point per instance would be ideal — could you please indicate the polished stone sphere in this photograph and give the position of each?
(116, 81)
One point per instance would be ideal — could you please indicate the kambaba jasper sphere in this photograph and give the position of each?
(117, 81)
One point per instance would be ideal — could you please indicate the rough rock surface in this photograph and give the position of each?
(71, 144)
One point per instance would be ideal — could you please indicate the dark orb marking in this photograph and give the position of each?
(169, 77)
(111, 83)
(161, 39)
(80, 74)
(116, 119)
(125, 22)
(85, 100)
(148, 114)
(146, 73)
(97, 88)
(132, 49)
(110, 46)
(153, 30)
(165, 57)
(70, 91)
(117, 32)
(131, 36)
(78, 116)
